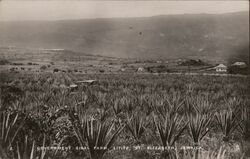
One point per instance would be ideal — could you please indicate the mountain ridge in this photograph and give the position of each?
(156, 37)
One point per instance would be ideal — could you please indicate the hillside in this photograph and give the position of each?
(224, 36)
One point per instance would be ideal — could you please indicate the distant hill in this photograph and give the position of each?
(210, 36)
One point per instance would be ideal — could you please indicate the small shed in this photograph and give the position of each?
(221, 68)
(122, 69)
(140, 69)
(240, 64)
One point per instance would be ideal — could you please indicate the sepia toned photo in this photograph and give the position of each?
(124, 79)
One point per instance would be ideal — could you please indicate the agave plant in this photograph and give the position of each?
(244, 129)
(26, 151)
(136, 126)
(98, 136)
(188, 105)
(227, 122)
(117, 108)
(170, 128)
(59, 98)
(129, 107)
(9, 128)
(202, 105)
(103, 113)
(221, 154)
(79, 123)
(244, 125)
(198, 126)
(172, 104)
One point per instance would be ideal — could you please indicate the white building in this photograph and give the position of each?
(221, 68)
(240, 64)
(122, 69)
(140, 69)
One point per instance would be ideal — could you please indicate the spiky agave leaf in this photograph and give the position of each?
(227, 122)
(202, 105)
(25, 151)
(98, 136)
(79, 123)
(117, 108)
(136, 126)
(198, 126)
(171, 105)
(170, 128)
(244, 126)
(174, 103)
(9, 128)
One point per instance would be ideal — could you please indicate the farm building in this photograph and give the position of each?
(240, 64)
(140, 69)
(122, 69)
(221, 68)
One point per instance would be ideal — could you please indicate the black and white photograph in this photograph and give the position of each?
(124, 79)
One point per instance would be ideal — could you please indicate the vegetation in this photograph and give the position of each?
(43, 67)
(40, 117)
(56, 70)
(4, 62)
(192, 62)
(158, 69)
(238, 70)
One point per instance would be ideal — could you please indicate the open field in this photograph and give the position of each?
(124, 116)
(37, 60)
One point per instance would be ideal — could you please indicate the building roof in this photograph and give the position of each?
(86, 81)
(239, 63)
(221, 66)
(73, 86)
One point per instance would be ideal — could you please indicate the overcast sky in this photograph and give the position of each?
(58, 10)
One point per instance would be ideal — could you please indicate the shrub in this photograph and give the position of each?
(101, 71)
(192, 62)
(158, 69)
(4, 62)
(56, 70)
(238, 70)
(43, 67)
